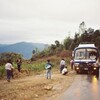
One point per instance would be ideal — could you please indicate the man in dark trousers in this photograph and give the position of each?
(19, 63)
(9, 67)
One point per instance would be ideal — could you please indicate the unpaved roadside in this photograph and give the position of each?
(36, 87)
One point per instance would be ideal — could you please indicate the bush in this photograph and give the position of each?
(2, 71)
(4, 57)
(65, 53)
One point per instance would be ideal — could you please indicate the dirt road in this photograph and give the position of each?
(35, 87)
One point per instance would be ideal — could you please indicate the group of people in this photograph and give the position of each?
(63, 68)
(9, 68)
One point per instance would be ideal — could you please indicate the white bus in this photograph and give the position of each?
(86, 58)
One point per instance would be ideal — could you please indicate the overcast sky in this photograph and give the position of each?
(44, 21)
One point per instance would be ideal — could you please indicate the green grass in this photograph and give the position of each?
(34, 66)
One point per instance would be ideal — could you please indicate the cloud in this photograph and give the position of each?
(45, 20)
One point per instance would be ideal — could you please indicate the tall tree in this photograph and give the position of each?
(82, 28)
(67, 43)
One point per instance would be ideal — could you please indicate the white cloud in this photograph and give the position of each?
(45, 20)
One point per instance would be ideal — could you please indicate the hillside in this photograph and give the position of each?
(24, 48)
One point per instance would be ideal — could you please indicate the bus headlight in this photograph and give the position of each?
(94, 68)
(77, 68)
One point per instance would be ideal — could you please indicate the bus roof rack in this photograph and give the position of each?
(86, 45)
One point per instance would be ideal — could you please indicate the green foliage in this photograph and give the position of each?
(84, 36)
(57, 43)
(38, 67)
(34, 66)
(89, 36)
(53, 49)
(4, 57)
(67, 43)
(2, 71)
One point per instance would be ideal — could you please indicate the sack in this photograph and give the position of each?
(48, 67)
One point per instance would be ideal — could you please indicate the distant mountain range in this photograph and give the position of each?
(24, 48)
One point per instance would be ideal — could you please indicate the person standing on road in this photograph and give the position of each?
(97, 68)
(8, 67)
(48, 68)
(62, 65)
(19, 63)
(71, 64)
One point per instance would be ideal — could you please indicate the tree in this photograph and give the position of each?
(57, 43)
(53, 47)
(90, 30)
(33, 55)
(67, 43)
(96, 38)
(33, 52)
(4, 57)
(82, 28)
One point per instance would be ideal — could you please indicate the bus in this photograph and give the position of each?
(86, 58)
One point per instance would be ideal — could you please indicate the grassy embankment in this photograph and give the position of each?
(36, 67)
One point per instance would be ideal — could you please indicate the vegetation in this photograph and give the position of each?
(4, 57)
(83, 36)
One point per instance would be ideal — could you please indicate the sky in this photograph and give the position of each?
(44, 21)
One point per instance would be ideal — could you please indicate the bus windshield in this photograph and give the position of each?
(86, 53)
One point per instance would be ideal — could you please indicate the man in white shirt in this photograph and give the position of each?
(64, 71)
(8, 67)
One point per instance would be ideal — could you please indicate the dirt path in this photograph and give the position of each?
(35, 87)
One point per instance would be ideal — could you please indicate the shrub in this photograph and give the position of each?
(2, 71)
